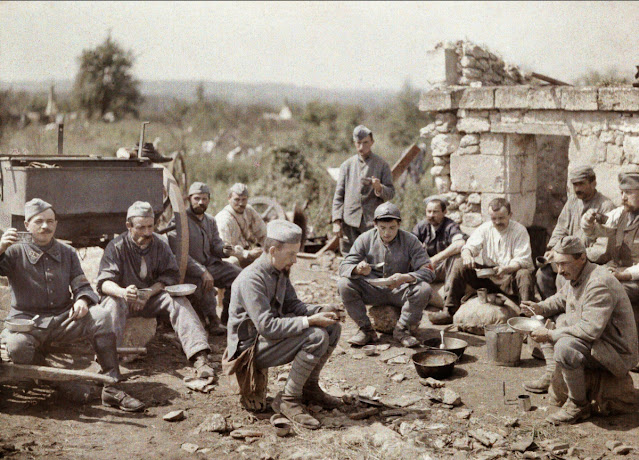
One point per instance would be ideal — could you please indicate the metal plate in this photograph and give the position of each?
(525, 325)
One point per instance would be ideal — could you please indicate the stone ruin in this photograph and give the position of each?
(518, 141)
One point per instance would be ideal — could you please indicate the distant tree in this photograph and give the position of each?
(608, 77)
(105, 83)
(405, 119)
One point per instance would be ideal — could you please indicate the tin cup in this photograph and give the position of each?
(25, 237)
(541, 261)
(524, 402)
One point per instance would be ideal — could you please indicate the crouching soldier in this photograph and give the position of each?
(139, 259)
(266, 314)
(49, 287)
(597, 332)
(389, 252)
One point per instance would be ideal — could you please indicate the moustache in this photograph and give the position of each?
(45, 231)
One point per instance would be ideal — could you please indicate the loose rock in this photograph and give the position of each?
(246, 433)
(450, 397)
(398, 378)
(190, 448)
(431, 382)
(622, 450)
(464, 414)
(174, 416)
(213, 423)
(610, 445)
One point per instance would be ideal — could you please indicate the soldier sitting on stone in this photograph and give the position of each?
(268, 321)
(47, 281)
(386, 251)
(597, 331)
(503, 245)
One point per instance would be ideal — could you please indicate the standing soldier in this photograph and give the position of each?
(364, 183)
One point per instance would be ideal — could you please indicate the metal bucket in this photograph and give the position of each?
(503, 345)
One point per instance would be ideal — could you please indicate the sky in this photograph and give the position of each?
(366, 45)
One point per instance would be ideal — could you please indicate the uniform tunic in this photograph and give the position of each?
(404, 254)
(435, 240)
(354, 203)
(264, 301)
(247, 229)
(599, 313)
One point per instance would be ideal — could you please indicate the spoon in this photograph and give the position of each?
(535, 315)
(378, 266)
(442, 346)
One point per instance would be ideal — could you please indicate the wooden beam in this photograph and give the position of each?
(550, 80)
(402, 164)
(331, 244)
(17, 372)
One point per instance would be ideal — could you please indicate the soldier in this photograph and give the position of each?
(586, 197)
(47, 281)
(364, 183)
(241, 226)
(597, 331)
(504, 245)
(386, 251)
(621, 226)
(266, 313)
(138, 259)
(205, 268)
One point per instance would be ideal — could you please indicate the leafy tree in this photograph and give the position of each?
(105, 83)
(405, 119)
(608, 77)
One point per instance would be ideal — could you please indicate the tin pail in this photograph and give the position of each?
(503, 345)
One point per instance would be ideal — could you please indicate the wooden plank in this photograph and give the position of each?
(17, 372)
(331, 244)
(402, 164)
(75, 350)
(550, 80)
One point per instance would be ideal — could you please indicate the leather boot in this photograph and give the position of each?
(107, 355)
(539, 385)
(440, 317)
(571, 412)
(364, 336)
(293, 409)
(202, 366)
(312, 392)
(403, 336)
(113, 397)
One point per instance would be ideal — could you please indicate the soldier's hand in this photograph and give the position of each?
(207, 281)
(323, 319)
(467, 259)
(137, 305)
(9, 237)
(541, 335)
(398, 279)
(228, 250)
(548, 255)
(337, 228)
(530, 308)
(79, 310)
(363, 268)
(590, 216)
(255, 253)
(131, 293)
(377, 185)
(621, 275)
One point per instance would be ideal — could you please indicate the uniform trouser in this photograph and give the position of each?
(573, 356)
(184, 320)
(356, 293)
(546, 281)
(349, 235)
(22, 347)
(224, 274)
(204, 303)
(462, 276)
(313, 340)
(632, 289)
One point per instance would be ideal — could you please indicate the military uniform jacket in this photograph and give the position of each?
(122, 263)
(569, 224)
(438, 240)
(264, 301)
(205, 245)
(405, 254)
(598, 311)
(44, 281)
(355, 203)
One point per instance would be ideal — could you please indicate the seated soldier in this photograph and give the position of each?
(241, 226)
(386, 251)
(47, 281)
(597, 332)
(205, 268)
(504, 245)
(265, 308)
(139, 259)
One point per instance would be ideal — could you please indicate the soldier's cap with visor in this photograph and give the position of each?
(629, 180)
(140, 209)
(387, 211)
(34, 207)
(436, 197)
(570, 245)
(361, 132)
(581, 173)
(199, 187)
(283, 231)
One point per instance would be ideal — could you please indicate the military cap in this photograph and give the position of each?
(35, 207)
(629, 180)
(239, 189)
(387, 211)
(199, 187)
(581, 173)
(361, 132)
(140, 209)
(283, 231)
(436, 197)
(570, 245)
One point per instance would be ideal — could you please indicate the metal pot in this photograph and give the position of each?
(457, 346)
(438, 364)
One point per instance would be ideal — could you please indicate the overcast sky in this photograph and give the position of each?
(324, 44)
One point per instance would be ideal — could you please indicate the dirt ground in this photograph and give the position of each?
(38, 422)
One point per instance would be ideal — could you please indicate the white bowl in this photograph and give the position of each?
(180, 290)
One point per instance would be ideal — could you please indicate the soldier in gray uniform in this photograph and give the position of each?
(205, 267)
(364, 183)
(597, 331)
(47, 281)
(139, 259)
(389, 252)
(264, 307)
(586, 197)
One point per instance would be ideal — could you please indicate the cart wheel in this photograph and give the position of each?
(174, 207)
(267, 207)
(178, 169)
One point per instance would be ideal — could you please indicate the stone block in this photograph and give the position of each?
(443, 170)
(474, 198)
(478, 98)
(469, 139)
(544, 98)
(472, 74)
(470, 150)
(439, 161)
(469, 61)
(485, 173)
(517, 144)
(445, 143)
(578, 99)
(619, 99)
(429, 130)
(607, 136)
(511, 97)
(607, 182)
(470, 49)
(529, 174)
(441, 66)
(472, 219)
(586, 150)
(492, 144)
(631, 149)
(614, 154)
(440, 99)
(139, 331)
(522, 205)
(443, 184)
(473, 124)
(456, 216)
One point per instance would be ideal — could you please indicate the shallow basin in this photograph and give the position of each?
(457, 346)
(438, 364)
